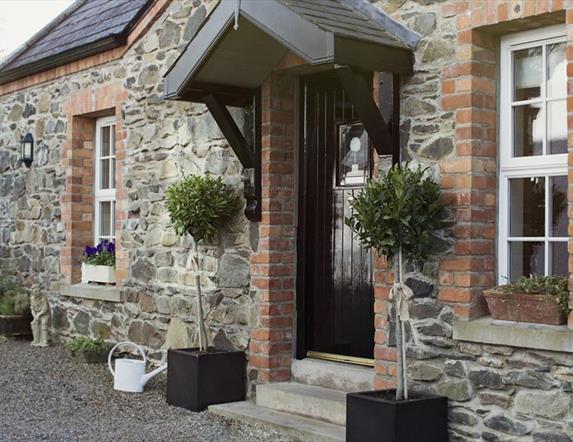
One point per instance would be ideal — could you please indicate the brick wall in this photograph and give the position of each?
(469, 179)
(273, 263)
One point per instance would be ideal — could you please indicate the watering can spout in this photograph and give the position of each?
(145, 379)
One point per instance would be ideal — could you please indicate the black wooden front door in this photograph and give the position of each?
(336, 313)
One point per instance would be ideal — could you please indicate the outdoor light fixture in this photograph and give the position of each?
(27, 149)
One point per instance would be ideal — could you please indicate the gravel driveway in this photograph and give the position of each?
(45, 395)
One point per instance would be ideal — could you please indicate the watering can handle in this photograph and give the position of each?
(124, 343)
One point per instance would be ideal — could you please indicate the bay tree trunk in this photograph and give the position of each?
(401, 372)
(200, 316)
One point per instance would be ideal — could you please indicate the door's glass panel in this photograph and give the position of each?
(557, 127)
(556, 70)
(526, 258)
(105, 218)
(558, 217)
(105, 141)
(559, 258)
(528, 130)
(353, 155)
(104, 173)
(527, 206)
(527, 73)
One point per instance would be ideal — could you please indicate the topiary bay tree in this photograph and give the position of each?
(200, 206)
(396, 216)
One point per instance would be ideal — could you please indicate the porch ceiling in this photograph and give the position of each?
(321, 32)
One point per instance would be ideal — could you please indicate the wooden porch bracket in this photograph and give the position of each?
(361, 96)
(249, 156)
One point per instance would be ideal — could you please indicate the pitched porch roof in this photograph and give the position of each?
(87, 27)
(321, 32)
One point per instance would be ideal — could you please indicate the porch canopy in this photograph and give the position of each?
(323, 33)
(243, 41)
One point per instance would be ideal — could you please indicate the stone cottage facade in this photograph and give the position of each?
(505, 382)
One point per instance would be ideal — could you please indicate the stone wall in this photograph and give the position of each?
(163, 141)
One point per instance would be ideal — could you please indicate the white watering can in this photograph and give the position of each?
(129, 374)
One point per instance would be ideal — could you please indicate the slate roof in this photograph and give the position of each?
(85, 28)
(356, 19)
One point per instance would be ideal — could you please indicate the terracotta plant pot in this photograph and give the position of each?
(375, 416)
(15, 325)
(523, 307)
(196, 379)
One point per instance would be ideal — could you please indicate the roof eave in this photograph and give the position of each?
(66, 57)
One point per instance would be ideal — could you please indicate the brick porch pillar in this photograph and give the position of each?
(273, 264)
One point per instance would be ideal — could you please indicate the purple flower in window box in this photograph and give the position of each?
(101, 255)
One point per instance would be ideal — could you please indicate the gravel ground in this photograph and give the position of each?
(45, 395)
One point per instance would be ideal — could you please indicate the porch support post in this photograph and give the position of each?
(272, 263)
(249, 156)
(361, 96)
(230, 129)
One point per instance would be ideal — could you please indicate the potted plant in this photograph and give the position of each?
(198, 377)
(99, 263)
(396, 216)
(537, 299)
(92, 351)
(14, 310)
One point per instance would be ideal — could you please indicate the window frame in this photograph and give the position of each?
(104, 195)
(545, 165)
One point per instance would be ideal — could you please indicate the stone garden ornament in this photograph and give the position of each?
(41, 312)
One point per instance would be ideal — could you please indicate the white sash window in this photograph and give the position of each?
(533, 154)
(104, 226)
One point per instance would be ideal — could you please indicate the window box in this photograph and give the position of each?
(101, 274)
(523, 307)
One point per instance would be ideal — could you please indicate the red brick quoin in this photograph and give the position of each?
(273, 264)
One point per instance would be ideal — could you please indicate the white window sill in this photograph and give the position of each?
(92, 291)
(515, 334)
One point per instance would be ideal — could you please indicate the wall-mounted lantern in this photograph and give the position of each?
(27, 149)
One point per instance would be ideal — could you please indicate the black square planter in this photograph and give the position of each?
(375, 416)
(196, 379)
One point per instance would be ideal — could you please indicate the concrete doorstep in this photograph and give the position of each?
(300, 427)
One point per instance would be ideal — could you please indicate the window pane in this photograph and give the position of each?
(112, 226)
(112, 140)
(112, 173)
(352, 154)
(556, 70)
(527, 73)
(558, 216)
(557, 126)
(528, 130)
(104, 218)
(104, 141)
(527, 206)
(104, 174)
(559, 258)
(526, 258)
